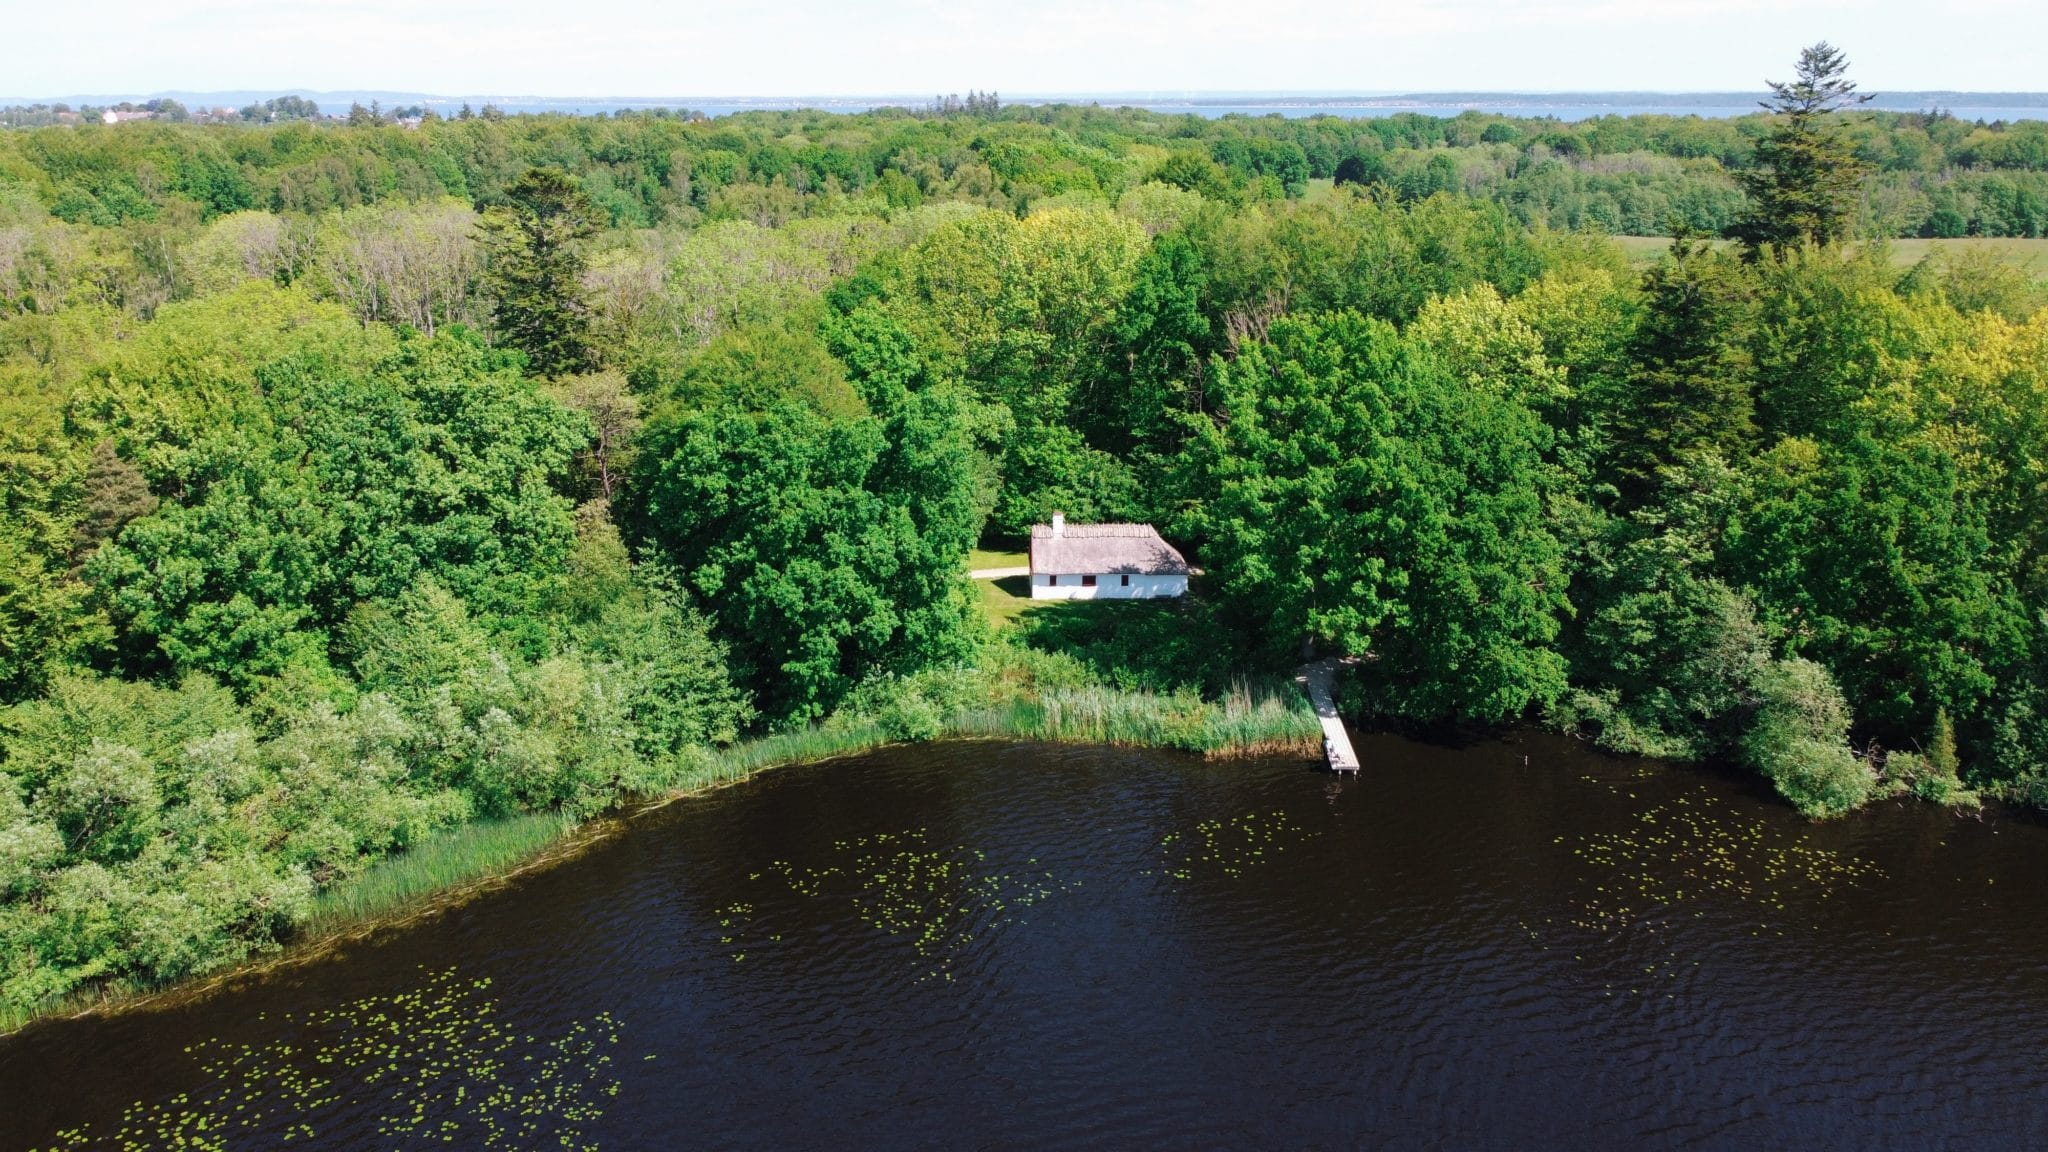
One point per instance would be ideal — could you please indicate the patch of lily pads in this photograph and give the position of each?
(937, 899)
(1230, 847)
(438, 1066)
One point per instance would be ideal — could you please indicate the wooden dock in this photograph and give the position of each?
(1320, 678)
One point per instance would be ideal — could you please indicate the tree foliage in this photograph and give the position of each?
(535, 266)
(338, 487)
(1691, 382)
(825, 548)
(1806, 177)
(1363, 498)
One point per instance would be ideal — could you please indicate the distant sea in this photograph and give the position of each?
(1562, 106)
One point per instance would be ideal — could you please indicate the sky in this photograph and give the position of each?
(1017, 47)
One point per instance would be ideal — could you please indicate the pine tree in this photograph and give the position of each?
(1693, 382)
(535, 271)
(116, 492)
(1803, 185)
(1941, 749)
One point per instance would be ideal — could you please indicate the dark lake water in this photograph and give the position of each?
(1517, 944)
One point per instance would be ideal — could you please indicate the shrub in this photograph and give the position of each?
(1798, 738)
(1933, 776)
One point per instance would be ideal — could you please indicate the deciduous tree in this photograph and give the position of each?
(1361, 497)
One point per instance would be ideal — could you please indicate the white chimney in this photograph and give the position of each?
(1059, 525)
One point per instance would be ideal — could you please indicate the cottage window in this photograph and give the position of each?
(1088, 581)
(1125, 579)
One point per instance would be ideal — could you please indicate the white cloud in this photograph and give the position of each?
(665, 47)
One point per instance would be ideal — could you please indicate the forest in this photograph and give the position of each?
(365, 482)
(1930, 173)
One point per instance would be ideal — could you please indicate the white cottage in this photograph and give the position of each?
(1103, 562)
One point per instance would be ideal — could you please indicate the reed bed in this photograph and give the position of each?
(437, 865)
(440, 862)
(806, 746)
(1247, 721)
(487, 848)
(1263, 721)
(115, 993)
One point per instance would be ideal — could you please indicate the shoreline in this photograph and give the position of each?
(1021, 721)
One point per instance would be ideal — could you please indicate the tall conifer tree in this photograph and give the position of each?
(536, 270)
(1802, 188)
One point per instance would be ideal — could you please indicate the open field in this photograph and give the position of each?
(2031, 254)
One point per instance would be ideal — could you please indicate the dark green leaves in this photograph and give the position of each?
(439, 462)
(825, 549)
(1805, 180)
(1362, 499)
(535, 273)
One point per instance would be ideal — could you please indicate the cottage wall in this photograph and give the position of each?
(1108, 586)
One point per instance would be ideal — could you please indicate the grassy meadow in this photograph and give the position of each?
(2030, 254)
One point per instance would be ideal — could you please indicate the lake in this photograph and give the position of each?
(1513, 944)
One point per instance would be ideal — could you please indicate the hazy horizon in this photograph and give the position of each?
(809, 48)
(1673, 95)
(1562, 105)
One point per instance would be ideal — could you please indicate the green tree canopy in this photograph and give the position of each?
(1359, 496)
(1692, 377)
(534, 274)
(826, 549)
(440, 461)
(1876, 560)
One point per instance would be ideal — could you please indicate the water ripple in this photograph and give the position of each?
(1010, 946)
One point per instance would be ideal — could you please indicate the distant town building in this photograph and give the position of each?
(1103, 562)
(116, 116)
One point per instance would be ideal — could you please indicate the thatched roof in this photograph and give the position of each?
(1103, 548)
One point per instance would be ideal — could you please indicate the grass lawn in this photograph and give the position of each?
(982, 558)
(2031, 255)
(1002, 601)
